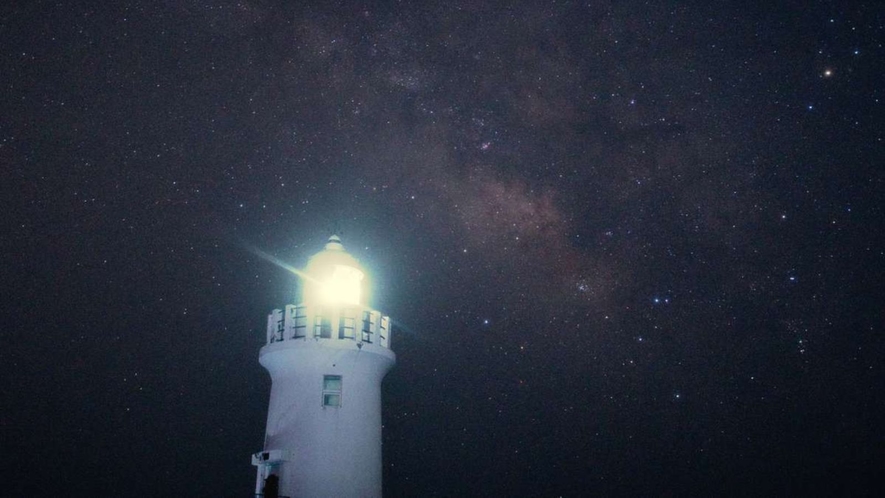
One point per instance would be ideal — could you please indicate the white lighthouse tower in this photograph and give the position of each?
(327, 357)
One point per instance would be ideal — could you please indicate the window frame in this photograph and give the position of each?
(330, 392)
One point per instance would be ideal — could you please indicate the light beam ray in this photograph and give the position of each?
(279, 262)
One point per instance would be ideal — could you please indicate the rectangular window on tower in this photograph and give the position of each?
(332, 391)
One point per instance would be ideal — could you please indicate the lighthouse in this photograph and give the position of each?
(326, 357)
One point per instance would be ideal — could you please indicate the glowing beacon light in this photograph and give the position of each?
(326, 357)
(334, 277)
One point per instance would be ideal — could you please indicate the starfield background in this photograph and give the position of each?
(632, 248)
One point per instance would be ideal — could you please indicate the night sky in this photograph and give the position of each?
(631, 248)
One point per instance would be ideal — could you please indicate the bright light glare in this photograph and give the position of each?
(343, 287)
(344, 282)
(277, 261)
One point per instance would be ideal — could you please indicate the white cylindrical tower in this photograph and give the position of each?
(327, 357)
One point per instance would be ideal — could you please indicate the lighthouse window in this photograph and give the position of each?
(300, 322)
(367, 326)
(332, 390)
(323, 327)
(347, 324)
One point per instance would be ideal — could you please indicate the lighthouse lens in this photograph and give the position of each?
(343, 286)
